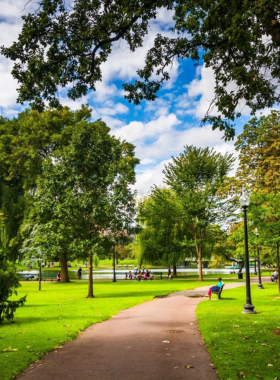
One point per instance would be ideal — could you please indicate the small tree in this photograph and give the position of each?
(34, 247)
(9, 282)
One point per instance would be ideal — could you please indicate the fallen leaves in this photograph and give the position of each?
(10, 349)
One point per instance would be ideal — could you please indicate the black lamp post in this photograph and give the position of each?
(255, 264)
(114, 263)
(248, 308)
(260, 286)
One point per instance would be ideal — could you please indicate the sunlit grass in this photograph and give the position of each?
(60, 311)
(242, 345)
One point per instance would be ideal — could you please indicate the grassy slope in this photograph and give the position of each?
(243, 346)
(60, 311)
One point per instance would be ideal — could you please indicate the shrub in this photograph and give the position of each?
(9, 282)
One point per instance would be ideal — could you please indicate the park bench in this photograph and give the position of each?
(48, 276)
(219, 292)
(27, 277)
(159, 274)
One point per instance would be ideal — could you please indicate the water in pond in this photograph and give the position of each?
(121, 273)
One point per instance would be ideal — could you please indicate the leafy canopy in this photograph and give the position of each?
(61, 45)
(83, 195)
(259, 153)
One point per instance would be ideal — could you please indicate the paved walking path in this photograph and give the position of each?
(152, 341)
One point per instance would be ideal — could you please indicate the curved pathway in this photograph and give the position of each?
(151, 341)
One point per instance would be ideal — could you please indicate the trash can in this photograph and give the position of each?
(240, 276)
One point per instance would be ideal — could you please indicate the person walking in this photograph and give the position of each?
(169, 274)
(135, 271)
(79, 273)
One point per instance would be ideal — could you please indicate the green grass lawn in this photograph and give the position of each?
(60, 312)
(243, 346)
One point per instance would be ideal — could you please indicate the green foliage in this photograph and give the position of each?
(12, 206)
(83, 196)
(162, 237)
(8, 284)
(89, 29)
(240, 40)
(95, 260)
(259, 153)
(25, 143)
(195, 177)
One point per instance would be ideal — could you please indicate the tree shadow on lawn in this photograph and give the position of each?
(135, 294)
(18, 321)
(228, 299)
(36, 305)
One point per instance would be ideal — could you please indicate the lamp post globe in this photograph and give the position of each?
(248, 307)
(260, 286)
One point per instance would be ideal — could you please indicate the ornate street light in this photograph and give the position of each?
(248, 308)
(260, 286)
(114, 263)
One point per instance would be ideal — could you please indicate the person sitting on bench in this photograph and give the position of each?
(139, 275)
(215, 288)
(274, 276)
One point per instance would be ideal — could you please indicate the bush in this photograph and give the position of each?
(9, 282)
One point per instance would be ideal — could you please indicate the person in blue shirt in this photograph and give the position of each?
(215, 288)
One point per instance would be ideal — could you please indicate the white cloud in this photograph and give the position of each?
(147, 178)
(147, 161)
(137, 132)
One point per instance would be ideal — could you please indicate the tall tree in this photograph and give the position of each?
(62, 45)
(195, 176)
(25, 143)
(85, 187)
(259, 153)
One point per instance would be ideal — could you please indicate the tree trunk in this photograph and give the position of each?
(174, 270)
(40, 274)
(90, 281)
(64, 268)
(278, 268)
(200, 273)
(241, 266)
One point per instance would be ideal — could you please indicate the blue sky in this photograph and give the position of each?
(158, 129)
